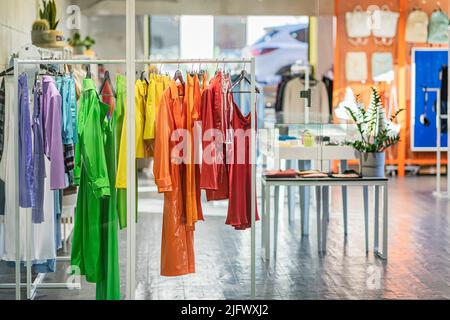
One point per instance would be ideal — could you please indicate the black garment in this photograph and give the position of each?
(2, 143)
(329, 85)
(444, 96)
(2, 118)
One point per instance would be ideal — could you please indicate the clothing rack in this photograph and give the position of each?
(131, 166)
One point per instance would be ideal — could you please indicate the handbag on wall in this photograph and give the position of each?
(438, 28)
(382, 67)
(357, 24)
(384, 26)
(356, 66)
(417, 27)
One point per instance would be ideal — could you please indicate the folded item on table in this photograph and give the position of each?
(315, 175)
(346, 174)
(289, 173)
(283, 137)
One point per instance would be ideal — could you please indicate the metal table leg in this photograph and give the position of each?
(366, 216)
(345, 200)
(319, 220)
(376, 218)
(305, 193)
(267, 222)
(384, 255)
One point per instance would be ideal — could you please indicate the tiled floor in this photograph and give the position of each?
(418, 265)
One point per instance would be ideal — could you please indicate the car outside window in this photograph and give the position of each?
(300, 35)
(267, 37)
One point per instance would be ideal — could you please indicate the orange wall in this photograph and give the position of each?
(401, 52)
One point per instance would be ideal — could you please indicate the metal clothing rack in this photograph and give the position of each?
(131, 63)
(131, 172)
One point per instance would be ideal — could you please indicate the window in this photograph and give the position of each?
(300, 35)
(267, 37)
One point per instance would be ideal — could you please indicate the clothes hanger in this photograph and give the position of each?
(7, 72)
(178, 77)
(107, 79)
(242, 77)
(88, 74)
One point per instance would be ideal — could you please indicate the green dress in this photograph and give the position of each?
(95, 243)
(120, 114)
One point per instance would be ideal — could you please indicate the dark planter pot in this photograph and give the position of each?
(372, 164)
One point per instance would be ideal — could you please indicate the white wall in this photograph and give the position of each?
(16, 19)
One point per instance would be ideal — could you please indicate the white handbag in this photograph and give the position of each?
(358, 26)
(384, 25)
(356, 66)
(417, 27)
(382, 67)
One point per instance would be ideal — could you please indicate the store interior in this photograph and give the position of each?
(343, 189)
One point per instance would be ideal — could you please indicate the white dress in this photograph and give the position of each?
(42, 235)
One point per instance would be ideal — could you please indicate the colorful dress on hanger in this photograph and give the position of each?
(240, 172)
(119, 110)
(214, 174)
(94, 248)
(177, 246)
(192, 102)
(108, 287)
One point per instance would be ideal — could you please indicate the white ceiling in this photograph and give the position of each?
(210, 7)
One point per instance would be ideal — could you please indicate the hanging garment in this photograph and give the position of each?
(240, 170)
(25, 146)
(107, 96)
(43, 251)
(150, 109)
(3, 130)
(214, 178)
(66, 87)
(243, 101)
(141, 147)
(108, 287)
(119, 113)
(94, 185)
(53, 146)
(177, 246)
(192, 102)
(38, 156)
(294, 105)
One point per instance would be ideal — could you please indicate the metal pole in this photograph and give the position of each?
(131, 150)
(28, 246)
(448, 125)
(16, 178)
(72, 61)
(253, 166)
(438, 142)
(190, 61)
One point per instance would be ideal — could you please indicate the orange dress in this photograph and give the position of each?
(192, 101)
(177, 246)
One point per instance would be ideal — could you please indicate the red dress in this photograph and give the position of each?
(240, 172)
(214, 174)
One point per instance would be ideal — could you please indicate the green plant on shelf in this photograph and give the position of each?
(48, 12)
(76, 41)
(376, 131)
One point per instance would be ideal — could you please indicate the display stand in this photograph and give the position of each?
(131, 63)
(131, 167)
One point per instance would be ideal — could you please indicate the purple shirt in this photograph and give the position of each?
(53, 147)
(25, 147)
(38, 157)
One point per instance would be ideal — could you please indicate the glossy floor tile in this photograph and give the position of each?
(418, 265)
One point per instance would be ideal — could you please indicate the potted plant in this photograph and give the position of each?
(80, 45)
(44, 31)
(377, 133)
